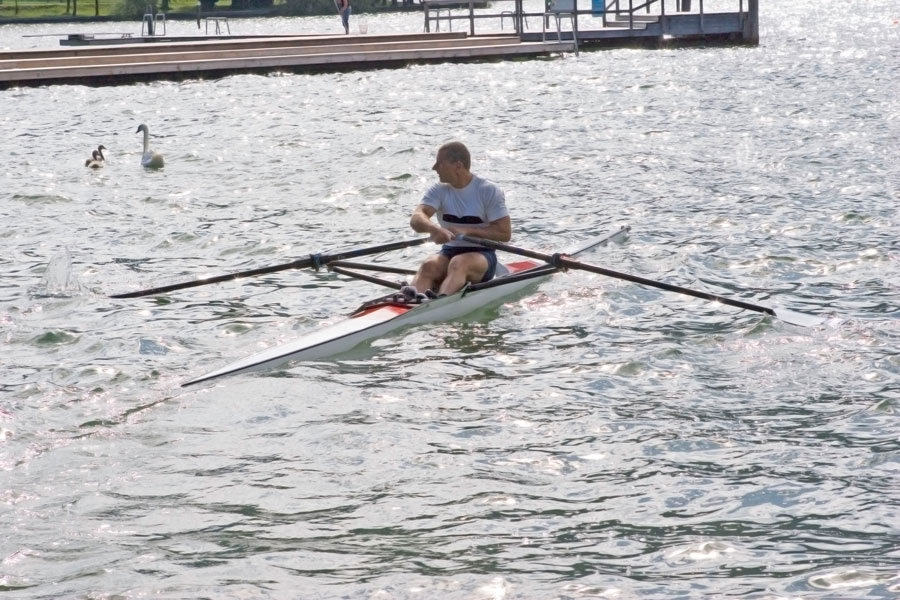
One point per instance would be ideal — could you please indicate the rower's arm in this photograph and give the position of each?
(421, 223)
(421, 219)
(499, 230)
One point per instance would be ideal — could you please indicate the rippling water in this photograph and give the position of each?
(593, 439)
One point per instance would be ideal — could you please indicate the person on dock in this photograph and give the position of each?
(464, 203)
(343, 7)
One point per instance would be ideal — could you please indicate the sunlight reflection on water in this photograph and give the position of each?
(592, 437)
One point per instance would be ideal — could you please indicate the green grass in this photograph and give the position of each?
(86, 8)
(133, 9)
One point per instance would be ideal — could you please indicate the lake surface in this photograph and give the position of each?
(591, 439)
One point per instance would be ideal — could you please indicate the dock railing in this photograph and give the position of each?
(439, 11)
(616, 8)
(634, 15)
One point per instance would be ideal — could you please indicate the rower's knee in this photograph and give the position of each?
(431, 272)
(435, 267)
(470, 266)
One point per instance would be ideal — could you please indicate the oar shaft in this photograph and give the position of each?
(315, 260)
(297, 264)
(560, 261)
(369, 267)
(369, 278)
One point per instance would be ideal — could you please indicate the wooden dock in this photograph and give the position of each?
(609, 23)
(115, 64)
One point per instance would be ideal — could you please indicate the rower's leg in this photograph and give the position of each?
(470, 266)
(431, 273)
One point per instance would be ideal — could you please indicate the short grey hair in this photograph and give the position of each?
(457, 151)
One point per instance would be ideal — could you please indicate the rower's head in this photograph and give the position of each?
(453, 163)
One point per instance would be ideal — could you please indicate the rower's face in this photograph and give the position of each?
(444, 168)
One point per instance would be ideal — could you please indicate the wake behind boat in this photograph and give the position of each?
(379, 317)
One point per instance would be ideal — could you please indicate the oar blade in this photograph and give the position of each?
(799, 319)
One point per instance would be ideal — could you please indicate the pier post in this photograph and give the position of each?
(751, 25)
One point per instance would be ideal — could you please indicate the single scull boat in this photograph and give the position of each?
(381, 316)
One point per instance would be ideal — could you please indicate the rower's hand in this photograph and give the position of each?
(441, 236)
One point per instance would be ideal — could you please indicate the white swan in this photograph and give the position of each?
(150, 159)
(95, 161)
(100, 150)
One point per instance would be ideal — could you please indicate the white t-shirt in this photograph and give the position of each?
(477, 205)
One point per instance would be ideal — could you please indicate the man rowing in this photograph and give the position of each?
(464, 204)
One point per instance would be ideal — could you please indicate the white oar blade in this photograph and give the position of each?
(801, 319)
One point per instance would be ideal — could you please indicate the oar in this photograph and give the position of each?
(560, 261)
(314, 260)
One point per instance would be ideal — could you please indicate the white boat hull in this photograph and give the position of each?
(381, 319)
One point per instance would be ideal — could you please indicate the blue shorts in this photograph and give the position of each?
(490, 255)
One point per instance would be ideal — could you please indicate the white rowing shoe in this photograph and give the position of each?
(379, 317)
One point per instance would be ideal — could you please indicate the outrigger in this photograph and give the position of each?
(385, 314)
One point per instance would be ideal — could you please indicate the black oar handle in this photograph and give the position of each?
(560, 261)
(314, 260)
